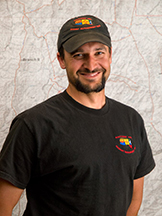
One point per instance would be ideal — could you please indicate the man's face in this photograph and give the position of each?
(88, 67)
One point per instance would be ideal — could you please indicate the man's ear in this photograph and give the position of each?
(110, 56)
(61, 61)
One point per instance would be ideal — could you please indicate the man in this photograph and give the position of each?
(79, 152)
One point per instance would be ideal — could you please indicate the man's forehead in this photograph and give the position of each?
(92, 46)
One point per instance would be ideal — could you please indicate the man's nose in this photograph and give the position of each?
(90, 63)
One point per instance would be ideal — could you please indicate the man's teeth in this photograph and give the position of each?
(90, 74)
(93, 74)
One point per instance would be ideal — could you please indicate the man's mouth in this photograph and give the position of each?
(90, 75)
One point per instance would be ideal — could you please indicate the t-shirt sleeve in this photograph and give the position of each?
(147, 163)
(18, 155)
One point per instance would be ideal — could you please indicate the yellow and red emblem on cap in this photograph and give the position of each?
(83, 21)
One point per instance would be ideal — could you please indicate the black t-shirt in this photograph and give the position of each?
(75, 160)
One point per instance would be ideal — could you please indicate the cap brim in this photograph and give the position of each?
(76, 41)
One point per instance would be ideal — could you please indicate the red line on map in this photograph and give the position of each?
(153, 26)
(60, 3)
(117, 80)
(156, 129)
(54, 82)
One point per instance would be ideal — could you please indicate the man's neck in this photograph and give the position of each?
(92, 100)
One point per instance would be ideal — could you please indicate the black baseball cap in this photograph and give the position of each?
(83, 29)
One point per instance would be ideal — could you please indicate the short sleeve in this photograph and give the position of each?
(147, 163)
(18, 155)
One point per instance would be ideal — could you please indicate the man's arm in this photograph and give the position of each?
(136, 197)
(9, 196)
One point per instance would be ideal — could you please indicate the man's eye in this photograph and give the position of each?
(78, 55)
(99, 53)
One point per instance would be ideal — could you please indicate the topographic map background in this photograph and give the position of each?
(30, 73)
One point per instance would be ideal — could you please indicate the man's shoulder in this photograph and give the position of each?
(44, 109)
(122, 108)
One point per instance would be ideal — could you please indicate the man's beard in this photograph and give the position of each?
(85, 88)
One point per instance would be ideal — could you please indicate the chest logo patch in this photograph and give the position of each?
(125, 144)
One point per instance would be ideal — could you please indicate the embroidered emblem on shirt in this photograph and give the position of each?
(125, 144)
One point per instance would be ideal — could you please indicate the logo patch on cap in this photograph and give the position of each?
(83, 21)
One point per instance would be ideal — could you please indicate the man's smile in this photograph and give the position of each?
(90, 75)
